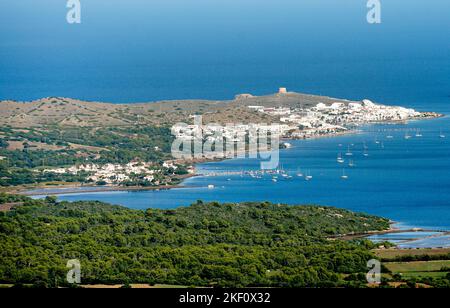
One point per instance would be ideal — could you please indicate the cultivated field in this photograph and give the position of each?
(418, 266)
(395, 253)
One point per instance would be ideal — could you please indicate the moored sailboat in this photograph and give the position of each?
(344, 176)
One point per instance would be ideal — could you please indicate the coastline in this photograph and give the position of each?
(80, 189)
(395, 229)
(85, 189)
(76, 189)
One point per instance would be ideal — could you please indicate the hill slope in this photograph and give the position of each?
(71, 112)
(251, 244)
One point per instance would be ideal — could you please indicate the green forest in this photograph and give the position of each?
(254, 244)
(206, 244)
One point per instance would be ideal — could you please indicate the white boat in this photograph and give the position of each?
(308, 177)
(408, 136)
(366, 154)
(349, 153)
(211, 187)
(340, 159)
(344, 176)
(418, 134)
(351, 163)
(390, 137)
(281, 170)
(274, 180)
(441, 135)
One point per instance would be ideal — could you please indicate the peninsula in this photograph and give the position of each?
(59, 141)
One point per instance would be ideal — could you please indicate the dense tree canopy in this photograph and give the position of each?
(251, 244)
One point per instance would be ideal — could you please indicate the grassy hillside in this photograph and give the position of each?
(75, 113)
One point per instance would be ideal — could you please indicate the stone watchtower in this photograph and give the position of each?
(282, 91)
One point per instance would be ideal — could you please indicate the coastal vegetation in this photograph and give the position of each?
(62, 146)
(206, 244)
(255, 244)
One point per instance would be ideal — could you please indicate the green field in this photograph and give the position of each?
(410, 275)
(419, 266)
(390, 254)
(419, 269)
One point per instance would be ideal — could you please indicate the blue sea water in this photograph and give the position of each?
(134, 51)
(141, 50)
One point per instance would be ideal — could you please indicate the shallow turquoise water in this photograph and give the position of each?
(443, 241)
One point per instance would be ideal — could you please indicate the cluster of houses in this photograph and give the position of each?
(311, 122)
(116, 173)
(240, 133)
(335, 118)
(364, 112)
